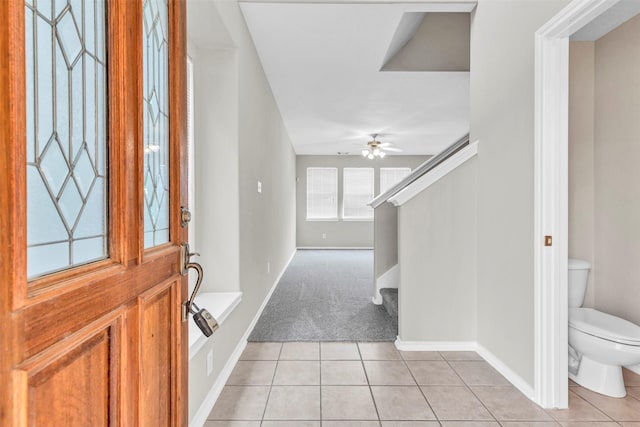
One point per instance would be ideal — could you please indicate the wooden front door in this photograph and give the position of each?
(92, 178)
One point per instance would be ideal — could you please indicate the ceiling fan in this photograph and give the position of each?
(376, 148)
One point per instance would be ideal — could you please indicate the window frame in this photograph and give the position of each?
(335, 194)
(381, 191)
(344, 193)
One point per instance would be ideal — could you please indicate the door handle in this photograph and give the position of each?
(204, 320)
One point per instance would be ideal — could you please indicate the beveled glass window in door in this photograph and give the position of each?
(66, 134)
(156, 122)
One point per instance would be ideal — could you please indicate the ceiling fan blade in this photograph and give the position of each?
(396, 150)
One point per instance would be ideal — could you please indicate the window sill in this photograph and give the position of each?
(358, 219)
(220, 305)
(322, 219)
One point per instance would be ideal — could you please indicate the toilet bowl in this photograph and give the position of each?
(601, 343)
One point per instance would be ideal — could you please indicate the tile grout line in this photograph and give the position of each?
(470, 389)
(320, 380)
(588, 403)
(406, 365)
(264, 412)
(366, 375)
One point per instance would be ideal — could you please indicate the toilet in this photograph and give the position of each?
(599, 343)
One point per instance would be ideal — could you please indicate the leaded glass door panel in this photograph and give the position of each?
(90, 193)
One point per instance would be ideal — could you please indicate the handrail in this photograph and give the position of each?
(420, 171)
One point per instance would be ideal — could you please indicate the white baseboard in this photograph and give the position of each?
(635, 369)
(436, 345)
(200, 417)
(515, 379)
(333, 248)
(491, 359)
(267, 298)
(388, 279)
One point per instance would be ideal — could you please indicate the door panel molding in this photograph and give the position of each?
(96, 349)
(153, 306)
(49, 320)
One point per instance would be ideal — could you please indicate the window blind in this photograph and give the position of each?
(357, 192)
(322, 193)
(391, 176)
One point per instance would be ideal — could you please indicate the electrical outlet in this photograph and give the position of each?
(259, 187)
(268, 267)
(209, 362)
(324, 235)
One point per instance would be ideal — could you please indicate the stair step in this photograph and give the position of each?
(390, 301)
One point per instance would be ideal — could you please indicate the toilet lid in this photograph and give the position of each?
(606, 326)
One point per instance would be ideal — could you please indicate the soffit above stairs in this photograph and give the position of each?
(332, 68)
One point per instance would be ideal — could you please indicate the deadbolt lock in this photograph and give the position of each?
(185, 216)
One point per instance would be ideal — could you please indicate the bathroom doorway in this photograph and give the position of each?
(551, 180)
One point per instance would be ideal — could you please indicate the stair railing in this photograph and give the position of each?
(421, 170)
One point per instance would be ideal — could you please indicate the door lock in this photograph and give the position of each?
(205, 321)
(185, 216)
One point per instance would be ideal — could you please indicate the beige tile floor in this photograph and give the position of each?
(373, 384)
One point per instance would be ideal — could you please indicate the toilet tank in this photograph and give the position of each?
(578, 275)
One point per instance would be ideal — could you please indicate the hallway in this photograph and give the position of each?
(373, 384)
(325, 295)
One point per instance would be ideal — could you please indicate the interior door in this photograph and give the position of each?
(93, 156)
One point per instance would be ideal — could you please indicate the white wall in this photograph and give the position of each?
(502, 103)
(385, 239)
(604, 189)
(617, 175)
(240, 139)
(340, 233)
(216, 161)
(581, 179)
(437, 252)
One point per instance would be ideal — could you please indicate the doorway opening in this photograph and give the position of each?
(551, 229)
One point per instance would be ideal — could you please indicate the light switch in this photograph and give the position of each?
(259, 187)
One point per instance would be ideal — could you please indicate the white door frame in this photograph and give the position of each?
(551, 197)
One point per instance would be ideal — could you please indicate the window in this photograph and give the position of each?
(358, 191)
(155, 65)
(66, 128)
(391, 176)
(322, 193)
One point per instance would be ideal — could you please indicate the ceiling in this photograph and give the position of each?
(607, 21)
(323, 63)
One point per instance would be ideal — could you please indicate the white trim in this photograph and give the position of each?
(333, 248)
(506, 371)
(200, 417)
(336, 219)
(388, 279)
(220, 305)
(551, 198)
(435, 345)
(489, 357)
(435, 174)
(267, 298)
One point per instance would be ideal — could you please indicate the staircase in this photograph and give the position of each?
(390, 302)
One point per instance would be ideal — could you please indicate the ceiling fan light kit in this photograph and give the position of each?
(374, 149)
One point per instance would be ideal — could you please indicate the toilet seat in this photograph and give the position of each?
(605, 326)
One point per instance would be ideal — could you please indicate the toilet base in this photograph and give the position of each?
(601, 378)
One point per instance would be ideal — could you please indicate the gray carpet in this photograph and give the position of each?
(325, 295)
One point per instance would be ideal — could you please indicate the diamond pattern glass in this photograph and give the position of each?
(156, 122)
(66, 134)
